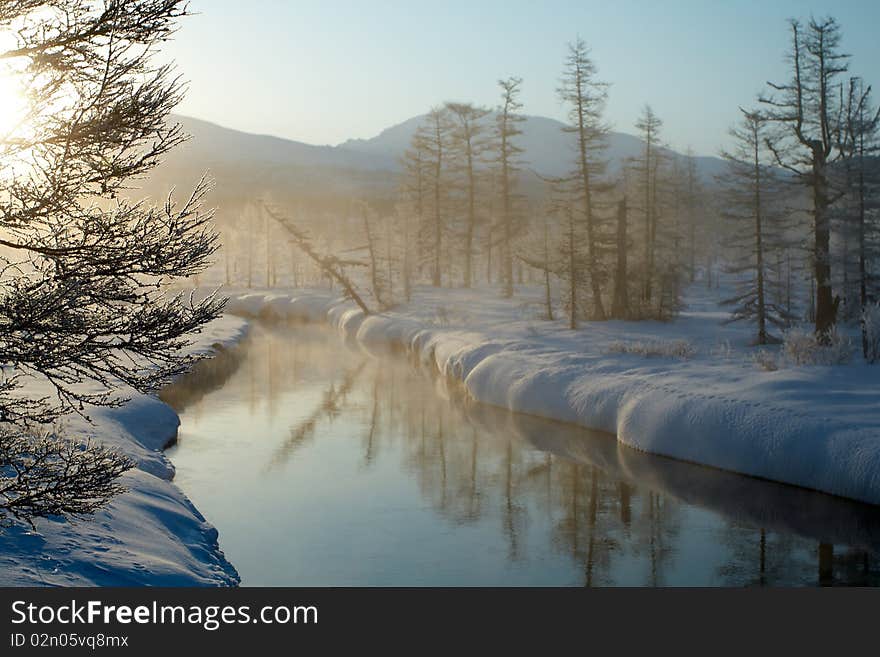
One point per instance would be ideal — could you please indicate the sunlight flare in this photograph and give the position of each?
(13, 107)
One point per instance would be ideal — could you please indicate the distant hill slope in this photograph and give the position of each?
(547, 149)
(212, 142)
(246, 166)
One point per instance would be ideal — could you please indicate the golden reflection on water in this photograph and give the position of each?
(408, 482)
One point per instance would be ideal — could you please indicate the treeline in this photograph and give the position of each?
(793, 222)
(607, 243)
(804, 177)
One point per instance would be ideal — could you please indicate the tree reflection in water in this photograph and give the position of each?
(551, 503)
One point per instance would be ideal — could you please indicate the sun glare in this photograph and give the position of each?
(12, 105)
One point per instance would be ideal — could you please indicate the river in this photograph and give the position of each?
(323, 466)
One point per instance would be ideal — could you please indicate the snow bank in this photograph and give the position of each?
(814, 427)
(151, 534)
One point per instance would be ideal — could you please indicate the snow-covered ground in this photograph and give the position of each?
(149, 535)
(811, 426)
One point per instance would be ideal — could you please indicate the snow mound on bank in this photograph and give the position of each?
(815, 427)
(151, 535)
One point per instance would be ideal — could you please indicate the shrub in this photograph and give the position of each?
(445, 316)
(681, 349)
(44, 475)
(723, 350)
(803, 347)
(766, 360)
(871, 328)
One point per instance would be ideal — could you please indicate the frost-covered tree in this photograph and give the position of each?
(413, 195)
(808, 111)
(571, 257)
(507, 166)
(692, 202)
(860, 147)
(585, 97)
(432, 142)
(646, 168)
(753, 208)
(330, 264)
(468, 145)
(620, 298)
(538, 252)
(83, 305)
(380, 278)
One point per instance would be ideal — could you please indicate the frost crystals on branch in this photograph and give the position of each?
(82, 270)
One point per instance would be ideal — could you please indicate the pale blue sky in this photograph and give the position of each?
(322, 72)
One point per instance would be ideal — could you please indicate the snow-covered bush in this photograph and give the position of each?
(723, 350)
(445, 316)
(532, 310)
(803, 347)
(47, 475)
(766, 360)
(800, 346)
(871, 327)
(681, 349)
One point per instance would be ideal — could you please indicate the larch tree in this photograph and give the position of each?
(83, 302)
(507, 164)
(329, 263)
(647, 166)
(380, 281)
(414, 192)
(585, 96)
(538, 252)
(571, 239)
(860, 147)
(808, 111)
(403, 227)
(468, 146)
(620, 298)
(432, 141)
(753, 208)
(692, 198)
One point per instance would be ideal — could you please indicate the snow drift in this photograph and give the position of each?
(151, 534)
(814, 427)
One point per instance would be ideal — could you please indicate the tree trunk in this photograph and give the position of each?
(620, 305)
(826, 304)
(548, 299)
(506, 254)
(593, 258)
(863, 274)
(646, 290)
(759, 250)
(572, 273)
(472, 219)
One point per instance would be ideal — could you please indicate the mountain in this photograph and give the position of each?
(213, 143)
(547, 149)
(247, 166)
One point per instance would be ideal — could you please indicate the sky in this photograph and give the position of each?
(324, 72)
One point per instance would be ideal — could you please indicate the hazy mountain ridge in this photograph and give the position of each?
(246, 166)
(214, 142)
(547, 149)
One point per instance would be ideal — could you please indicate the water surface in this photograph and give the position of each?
(323, 466)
